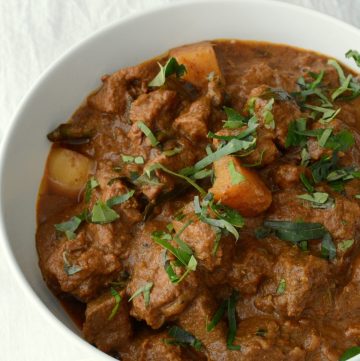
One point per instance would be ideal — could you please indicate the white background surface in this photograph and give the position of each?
(34, 33)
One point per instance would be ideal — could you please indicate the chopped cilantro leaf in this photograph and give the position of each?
(235, 176)
(148, 133)
(269, 121)
(145, 290)
(345, 245)
(171, 67)
(117, 298)
(102, 213)
(281, 288)
(70, 269)
(355, 55)
(350, 353)
(328, 249)
(90, 185)
(182, 338)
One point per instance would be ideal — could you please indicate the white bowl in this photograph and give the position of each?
(65, 84)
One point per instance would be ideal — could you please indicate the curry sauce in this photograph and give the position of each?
(204, 205)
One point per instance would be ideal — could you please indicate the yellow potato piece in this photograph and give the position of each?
(239, 187)
(67, 170)
(200, 60)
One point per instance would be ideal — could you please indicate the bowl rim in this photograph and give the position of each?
(17, 115)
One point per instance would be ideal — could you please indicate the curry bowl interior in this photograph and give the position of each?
(125, 43)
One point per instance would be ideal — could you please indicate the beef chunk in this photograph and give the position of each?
(93, 253)
(194, 319)
(166, 183)
(287, 175)
(167, 299)
(251, 264)
(192, 123)
(258, 337)
(265, 151)
(107, 334)
(153, 348)
(306, 281)
(341, 220)
(348, 300)
(121, 87)
(156, 109)
(201, 237)
(283, 111)
(112, 186)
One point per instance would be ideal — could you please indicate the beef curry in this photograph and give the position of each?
(205, 205)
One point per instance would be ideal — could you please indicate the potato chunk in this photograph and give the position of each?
(200, 60)
(67, 170)
(239, 187)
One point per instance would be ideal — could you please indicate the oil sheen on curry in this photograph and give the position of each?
(205, 205)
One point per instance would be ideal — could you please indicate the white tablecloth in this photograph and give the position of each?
(33, 33)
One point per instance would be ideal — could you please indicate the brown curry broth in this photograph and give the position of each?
(234, 57)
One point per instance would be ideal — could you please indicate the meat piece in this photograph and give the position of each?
(153, 348)
(192, 123)
(194, 320)
(251, 264)
(257, 74)
(156, 109)
(107, 334)
(111, 186)
(348, 300)
(121, 87)
(306, 281)
(258, 337)
(265, 151)
(167, 299)
(287, 175)
(315, 150)
(341, 220)
(94, 256)
(165, 182)
(201, 237)
(283, 112)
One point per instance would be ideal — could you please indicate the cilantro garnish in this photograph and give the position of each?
(145, 290)
(182, 338)
(171, 67)
(281, 288)
(118, 299)
(148, 133)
